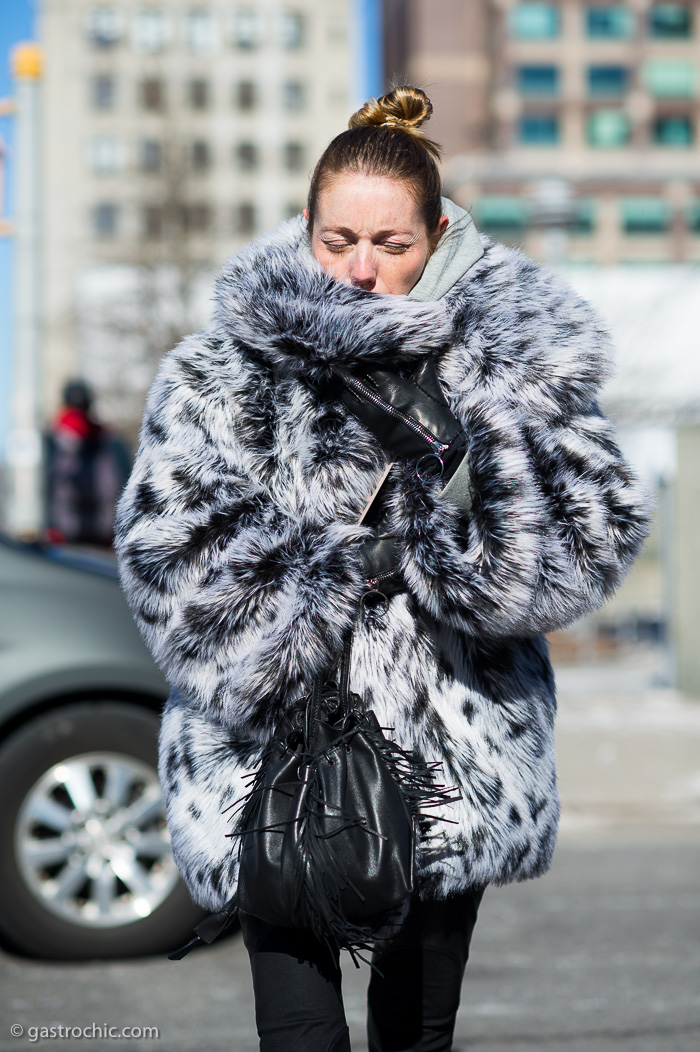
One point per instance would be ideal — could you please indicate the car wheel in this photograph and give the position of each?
(85, 856)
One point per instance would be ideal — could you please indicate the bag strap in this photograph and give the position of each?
(344, 675)
(210, 928)
(314, 709)
(404, 415)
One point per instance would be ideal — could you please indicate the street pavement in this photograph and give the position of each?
(601, 954)
(628, 746)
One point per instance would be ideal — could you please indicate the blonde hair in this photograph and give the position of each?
(383, 138)
(405, 108)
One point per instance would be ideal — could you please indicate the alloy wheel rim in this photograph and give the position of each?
(92, 843)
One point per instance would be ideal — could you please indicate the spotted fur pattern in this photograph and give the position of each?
(238, 547)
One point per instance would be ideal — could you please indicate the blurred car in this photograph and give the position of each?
(85, 862)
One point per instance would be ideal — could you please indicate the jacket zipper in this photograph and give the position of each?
(435, 445)
(372, 581)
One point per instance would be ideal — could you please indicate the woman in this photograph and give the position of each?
(243, 561)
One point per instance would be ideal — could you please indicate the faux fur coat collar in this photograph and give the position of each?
(302, 322)
(238, 543)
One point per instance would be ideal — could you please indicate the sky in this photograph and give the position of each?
(369, 52)
(16, 24)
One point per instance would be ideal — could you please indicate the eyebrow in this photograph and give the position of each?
(380, 233)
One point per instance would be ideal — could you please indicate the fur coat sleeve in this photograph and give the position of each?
(558, 515)
(236, 597)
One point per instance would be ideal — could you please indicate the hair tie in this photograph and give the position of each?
(392, 121)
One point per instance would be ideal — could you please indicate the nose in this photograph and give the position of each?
(362, 270)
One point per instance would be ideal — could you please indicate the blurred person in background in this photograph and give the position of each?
(245, 565)
(86, 466)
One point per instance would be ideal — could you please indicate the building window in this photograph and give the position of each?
(150, 155)
(244, 219)
(246, 95)
(645, 215)
(670, 78)
(153, 94)
(200, 31)
(670, 21)
(609, 21)
(103, 91)
(105, 220)
(293, 96)
(538, 80)
(501, 214)
(583, 218)
(198, 93)
(293, 156)
(104, 26)
(292, 30)
(105, 155)
(152, 222)
(200, 155)
(608, 128)
(245, 30)
(607, 80)
(672, 130)
(538, 129)
(534, 21)
(247, 156)
(196, 218)
(151, 31)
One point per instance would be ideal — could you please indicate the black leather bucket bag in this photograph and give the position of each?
(327, 831)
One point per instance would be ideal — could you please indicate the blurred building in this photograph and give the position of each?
(572, 128)
(172, 133)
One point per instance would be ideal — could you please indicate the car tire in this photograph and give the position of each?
(86, 870)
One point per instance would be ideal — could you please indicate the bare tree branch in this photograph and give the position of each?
(132, 312)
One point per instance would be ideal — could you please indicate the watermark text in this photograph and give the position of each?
(61, 1032)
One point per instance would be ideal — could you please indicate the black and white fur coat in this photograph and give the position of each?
(238, 547)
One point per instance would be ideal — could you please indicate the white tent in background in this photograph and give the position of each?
(653, 312)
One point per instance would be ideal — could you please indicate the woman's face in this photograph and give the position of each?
(368, 231)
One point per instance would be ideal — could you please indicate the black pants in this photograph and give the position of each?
(412, 1006)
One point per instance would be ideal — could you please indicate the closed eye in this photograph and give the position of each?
(335, 246)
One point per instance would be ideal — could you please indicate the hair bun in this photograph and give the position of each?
(405, 108)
